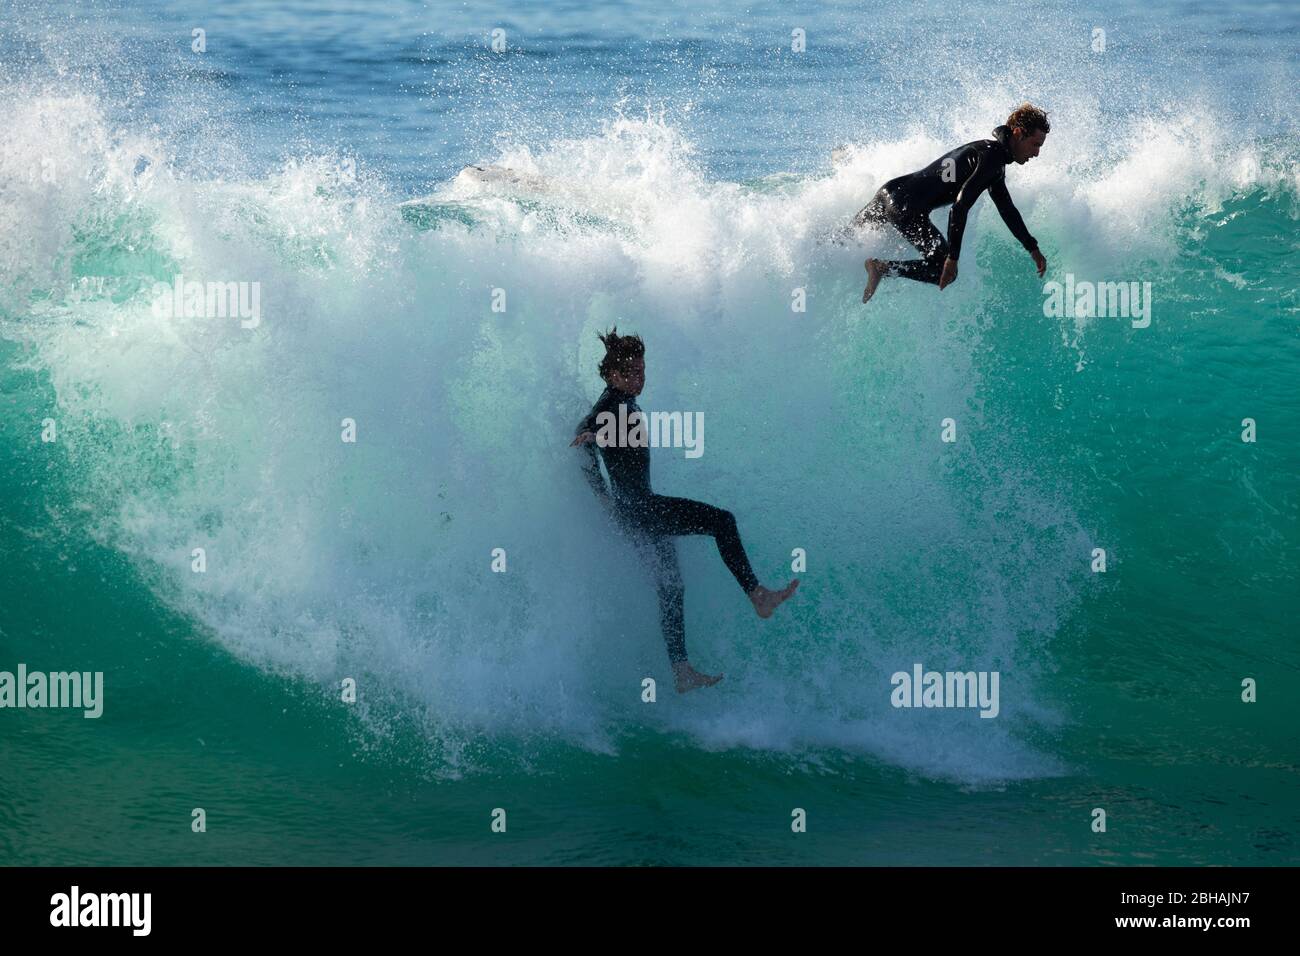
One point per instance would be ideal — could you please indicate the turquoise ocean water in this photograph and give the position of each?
(673, 174)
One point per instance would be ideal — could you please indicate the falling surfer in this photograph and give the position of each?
(955, 179)
(651, 520)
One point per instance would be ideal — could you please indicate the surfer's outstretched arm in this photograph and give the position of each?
(1011, 216)
(586, 440)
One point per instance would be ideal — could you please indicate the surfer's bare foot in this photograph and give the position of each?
(875, 271)
(766, 601)
(688, 678)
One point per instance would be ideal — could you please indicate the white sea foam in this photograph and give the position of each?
(371, 559)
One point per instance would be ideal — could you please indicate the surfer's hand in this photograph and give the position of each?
(1039, 261)
(949, 272)
(583, 439)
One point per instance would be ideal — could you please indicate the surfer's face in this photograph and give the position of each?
(631, 379)
(1024, 148)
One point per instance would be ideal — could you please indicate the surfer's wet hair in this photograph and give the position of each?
(620, 350)
(1029, 119)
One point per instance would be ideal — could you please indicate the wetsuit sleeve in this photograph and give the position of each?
(979, 180)
(591, 470)
(1010, 214)
(590, 461)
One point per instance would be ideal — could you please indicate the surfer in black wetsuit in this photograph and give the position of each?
(957, 178)
(652, 520)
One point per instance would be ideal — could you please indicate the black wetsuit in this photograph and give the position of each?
(653, 519)
(956, 178)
